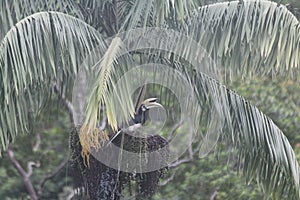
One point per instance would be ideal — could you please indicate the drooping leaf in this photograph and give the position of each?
(39, 52)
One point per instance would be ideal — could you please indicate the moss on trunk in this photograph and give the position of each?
(103, 182)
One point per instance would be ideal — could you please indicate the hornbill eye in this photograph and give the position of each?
(144, 108)
(142, 114)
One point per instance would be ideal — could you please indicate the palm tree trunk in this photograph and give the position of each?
(99, 180)
(102, 182)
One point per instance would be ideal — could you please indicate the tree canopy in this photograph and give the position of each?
(44, 47)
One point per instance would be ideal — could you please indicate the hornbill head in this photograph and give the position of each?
(142, 112)
(142, 107)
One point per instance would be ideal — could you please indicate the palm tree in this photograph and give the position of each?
(44, 46)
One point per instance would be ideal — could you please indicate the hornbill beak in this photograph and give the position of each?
(151, 103)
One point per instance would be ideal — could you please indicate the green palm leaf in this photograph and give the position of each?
(42, 50)
(12, 12)
(268, 45)
(264, 152)
(153, 13)
(244, 38)
(249, 37)
(100, 96)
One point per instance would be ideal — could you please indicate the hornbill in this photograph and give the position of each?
(146, 182)
(141, 114)
(104, 182)
(142, 111)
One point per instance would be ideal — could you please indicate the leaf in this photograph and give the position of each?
(31, 54)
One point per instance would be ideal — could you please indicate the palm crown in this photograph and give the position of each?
(44, 45)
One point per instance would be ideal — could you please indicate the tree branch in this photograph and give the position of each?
(51, 175)
(34, 195)
(17, 165)
(31, 164)
(25, 175)
(165, 182)
(173, 131)
(37, 144)
(191, 155)
(65, 102)
(179, 162)
(214, 196)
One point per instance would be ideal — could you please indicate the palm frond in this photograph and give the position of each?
(106, 93)
(40, 51)
(245, 37)
(249, 37)
(140, 98)
(103, 15)
(264, 152)
(12, 12)
(153, 13)
(100, 93)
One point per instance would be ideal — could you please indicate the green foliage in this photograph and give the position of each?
(257, 37)
(53, 129)
(203, 177)
(218, 172)
(278, 99)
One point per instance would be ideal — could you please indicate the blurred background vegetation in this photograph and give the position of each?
(205, 178)
(216, 173)
(200, 179)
